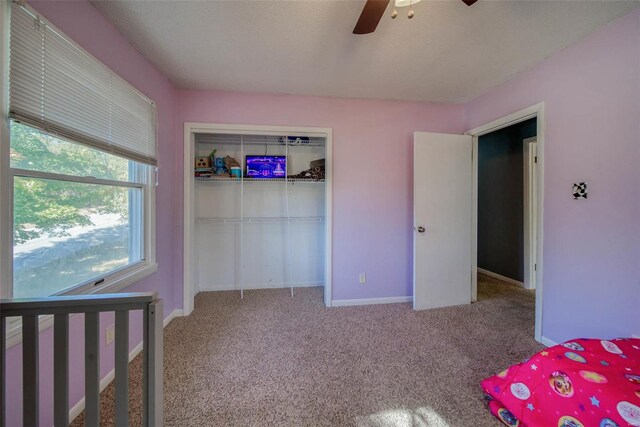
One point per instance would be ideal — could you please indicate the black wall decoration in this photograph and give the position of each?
(580, 190)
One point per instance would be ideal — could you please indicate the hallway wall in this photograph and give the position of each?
(501, 200)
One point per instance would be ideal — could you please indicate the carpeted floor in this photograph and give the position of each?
(275, 360)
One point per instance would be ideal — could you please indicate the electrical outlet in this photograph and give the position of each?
(110, 334)
(363, 278)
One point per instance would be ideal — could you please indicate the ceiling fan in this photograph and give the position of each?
(374, 9)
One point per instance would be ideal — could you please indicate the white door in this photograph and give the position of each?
(442, 220)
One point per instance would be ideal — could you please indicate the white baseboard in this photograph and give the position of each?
(254, 286)
(500, 277)
(175, 313)
(104, 382)
(370, 301)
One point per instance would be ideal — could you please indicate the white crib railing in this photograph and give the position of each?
(29, 309)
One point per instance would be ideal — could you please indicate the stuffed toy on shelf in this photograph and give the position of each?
(220, 167)
(230, 162)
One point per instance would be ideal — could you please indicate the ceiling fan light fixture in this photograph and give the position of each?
(404, 3)
(373, 11)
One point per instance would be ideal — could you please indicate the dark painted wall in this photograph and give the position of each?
(500, 200)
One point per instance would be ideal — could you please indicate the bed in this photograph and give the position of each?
(580, 383)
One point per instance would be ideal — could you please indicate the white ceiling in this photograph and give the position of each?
(447, 53)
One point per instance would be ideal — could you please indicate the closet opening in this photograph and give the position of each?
(257, 209)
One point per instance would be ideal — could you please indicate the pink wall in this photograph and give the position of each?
(372, 175)
(591, 248)
(592, 99)
(83, 23)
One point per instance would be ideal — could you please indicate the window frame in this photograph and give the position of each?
(143, 173)
(113, 281)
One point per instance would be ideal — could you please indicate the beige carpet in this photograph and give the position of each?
(275, 360)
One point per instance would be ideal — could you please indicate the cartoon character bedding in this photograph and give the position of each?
(581, 383)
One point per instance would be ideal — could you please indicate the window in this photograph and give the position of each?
(77, 213)
(79, 191)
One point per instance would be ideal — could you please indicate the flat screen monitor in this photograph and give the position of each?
(266, 166)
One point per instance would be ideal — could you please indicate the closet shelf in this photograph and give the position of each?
(259, 143)
(271, 140)
(247, 180)
(261, 220)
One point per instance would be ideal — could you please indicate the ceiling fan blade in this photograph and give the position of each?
(370, 16)
(469, 2)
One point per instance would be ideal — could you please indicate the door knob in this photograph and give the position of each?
(421, 229)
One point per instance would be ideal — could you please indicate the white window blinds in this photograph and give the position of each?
(56, 86)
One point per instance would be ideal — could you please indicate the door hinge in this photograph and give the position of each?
(535, 267)
(535, 159)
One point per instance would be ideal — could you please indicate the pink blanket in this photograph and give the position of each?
(581, 383)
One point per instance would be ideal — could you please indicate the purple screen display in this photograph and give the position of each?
(266, 166)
